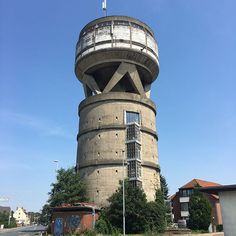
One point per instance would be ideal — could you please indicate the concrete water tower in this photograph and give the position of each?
(116, 62)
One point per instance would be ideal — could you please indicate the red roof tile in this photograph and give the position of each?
(198, 182)
(172, 196)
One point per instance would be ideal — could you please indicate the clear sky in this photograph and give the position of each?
(195, 92)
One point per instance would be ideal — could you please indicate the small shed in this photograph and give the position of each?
(227, 194)
(78, 217)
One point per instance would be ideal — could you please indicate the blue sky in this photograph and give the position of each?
(39, 94)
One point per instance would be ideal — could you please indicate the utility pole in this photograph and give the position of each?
(123, 152)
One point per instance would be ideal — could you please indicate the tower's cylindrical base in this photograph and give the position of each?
(114, 126)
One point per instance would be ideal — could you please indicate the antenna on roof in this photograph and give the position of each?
(104, 7)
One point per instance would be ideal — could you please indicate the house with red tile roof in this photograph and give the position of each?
(180, 201)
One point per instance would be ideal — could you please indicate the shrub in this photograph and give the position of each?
(199, 212)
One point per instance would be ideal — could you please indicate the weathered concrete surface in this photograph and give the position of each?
(102, 140)
(117, 61)
(107, 40)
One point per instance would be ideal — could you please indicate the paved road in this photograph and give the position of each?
(22, 231)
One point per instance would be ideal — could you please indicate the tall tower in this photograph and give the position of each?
(117, 61)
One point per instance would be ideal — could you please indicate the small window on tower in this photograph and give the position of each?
(132, 117)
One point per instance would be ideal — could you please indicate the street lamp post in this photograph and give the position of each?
(123, 152)
(9, 219)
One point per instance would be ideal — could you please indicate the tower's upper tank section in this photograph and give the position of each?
(108, 41)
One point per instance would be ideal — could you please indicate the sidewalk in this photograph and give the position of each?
(205, 234)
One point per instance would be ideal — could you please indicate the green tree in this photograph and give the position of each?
(4, 220)
(135, 204)
(199, 212)
(165, 192)
(4, 216)
(45, 216)
(103, 225)
(164, 187)
(68, 188)
(155, 216)
(33, 216)
(140, 215)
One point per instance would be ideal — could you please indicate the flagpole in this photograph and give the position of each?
(104, 7)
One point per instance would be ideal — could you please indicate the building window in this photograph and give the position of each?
(186, 192)
(137, 26)
(136, 183)
(132, 117)
(116, 22)
(184, 206)
(133, 151)
(104, 24)
(138, 169)
(133, 132)
(134, 169)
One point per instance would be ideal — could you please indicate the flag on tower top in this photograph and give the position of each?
(104, 5)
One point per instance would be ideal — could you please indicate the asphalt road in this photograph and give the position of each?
(22, 231)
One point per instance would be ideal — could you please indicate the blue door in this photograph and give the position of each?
(58, 227)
